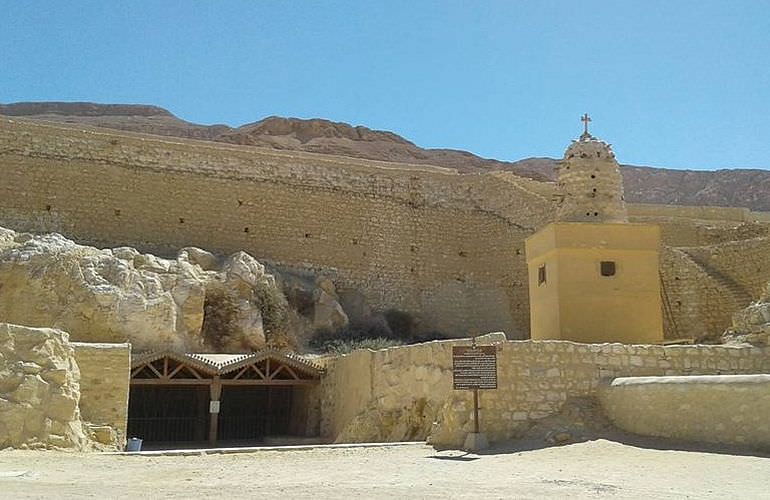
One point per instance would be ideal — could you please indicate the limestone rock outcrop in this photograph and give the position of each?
(191, 303)
(314, 299)
(752, 324)
(39, 390)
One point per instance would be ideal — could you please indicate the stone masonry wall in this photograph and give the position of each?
(406, 392)
(104, 384)
(427, 241)
(695, 305)
(746, 263)
(696, 408)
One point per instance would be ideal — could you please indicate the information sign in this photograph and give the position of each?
(474, 367)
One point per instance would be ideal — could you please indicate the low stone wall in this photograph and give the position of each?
(406, 392)
(104, 384)
(731, 409)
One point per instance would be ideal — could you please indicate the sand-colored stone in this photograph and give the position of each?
(590, 187)
(39, 390)
(751, 325)
(192, 303)
(399, 393)
(104, 389)
(444, 247)
(728, 409)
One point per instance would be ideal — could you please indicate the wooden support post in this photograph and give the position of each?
(216, 394)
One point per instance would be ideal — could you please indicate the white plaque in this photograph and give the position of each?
(214, 407)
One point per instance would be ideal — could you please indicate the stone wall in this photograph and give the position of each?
(730, 409)
(695, 304)
(446, 247)
(104, 385)
(425, 240)
(704, 286)
(735, 214)
(406, 392)
(745, 263)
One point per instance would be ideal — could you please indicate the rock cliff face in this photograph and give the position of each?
(39, 390)
(196, 302)
(734, 187)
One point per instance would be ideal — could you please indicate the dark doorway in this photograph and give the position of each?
(168, 413)
(250, 413)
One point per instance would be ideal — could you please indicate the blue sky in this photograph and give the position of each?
(682, 84)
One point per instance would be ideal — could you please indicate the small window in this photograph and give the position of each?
(541, 275)
(608, 268)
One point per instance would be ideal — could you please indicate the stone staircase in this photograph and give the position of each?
(734, 290)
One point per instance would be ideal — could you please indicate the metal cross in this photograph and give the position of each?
(585, 119)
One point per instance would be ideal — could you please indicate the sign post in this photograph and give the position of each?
(474, 367)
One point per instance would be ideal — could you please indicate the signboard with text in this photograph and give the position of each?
(474, 367)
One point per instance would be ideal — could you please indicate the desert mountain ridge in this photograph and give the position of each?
(748, 188)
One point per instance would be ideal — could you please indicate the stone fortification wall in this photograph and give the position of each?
(729, 409)
(689, 226)
(695, 304)
(446, 247)
(398, 393)
(745, 263)
(104, 385)
(425, 240)
(704, 213)
(682, 232)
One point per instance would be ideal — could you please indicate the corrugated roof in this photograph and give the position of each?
(219, 364)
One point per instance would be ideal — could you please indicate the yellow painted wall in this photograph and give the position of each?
(577, 303)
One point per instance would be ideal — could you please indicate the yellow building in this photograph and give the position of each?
(592, 276)
(592, 282)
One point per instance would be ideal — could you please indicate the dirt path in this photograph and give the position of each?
(586, 470)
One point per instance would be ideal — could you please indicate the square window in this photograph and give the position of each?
(608, 268)
(541, 275)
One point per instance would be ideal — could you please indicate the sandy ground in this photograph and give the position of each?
(585, 470)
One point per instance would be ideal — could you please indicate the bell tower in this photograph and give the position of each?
(590, 184)
(594, 277)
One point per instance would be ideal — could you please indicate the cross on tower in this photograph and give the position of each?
(585, 119)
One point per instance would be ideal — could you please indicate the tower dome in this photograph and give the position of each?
(590, 184)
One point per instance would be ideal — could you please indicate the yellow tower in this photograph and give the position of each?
(593, 277)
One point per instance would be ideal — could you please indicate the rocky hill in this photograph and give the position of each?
(734, 187)
(130, 117)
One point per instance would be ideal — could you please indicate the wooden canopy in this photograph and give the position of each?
(266, 367)
(269, 367)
